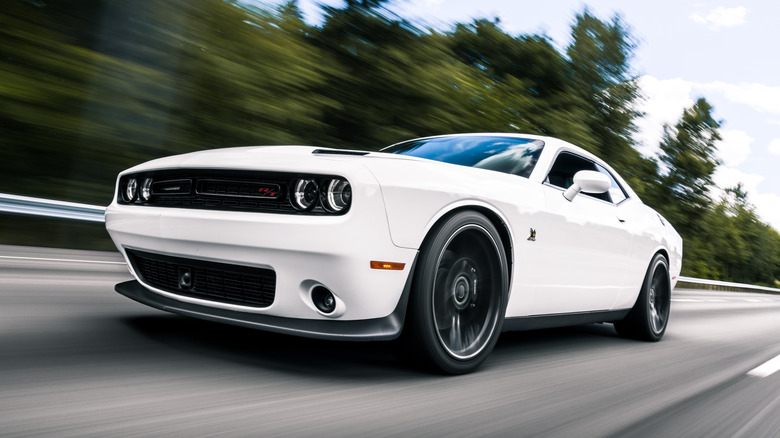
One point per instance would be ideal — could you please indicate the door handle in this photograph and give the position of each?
(621, 219)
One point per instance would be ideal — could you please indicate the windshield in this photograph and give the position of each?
(513, 155)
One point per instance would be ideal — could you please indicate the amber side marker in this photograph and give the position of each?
(389, 266)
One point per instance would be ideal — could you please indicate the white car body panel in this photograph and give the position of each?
(302, 250)
(588, 255)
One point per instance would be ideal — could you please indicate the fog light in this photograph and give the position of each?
(323, 299)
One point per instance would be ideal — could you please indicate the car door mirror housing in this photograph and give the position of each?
(588, 181)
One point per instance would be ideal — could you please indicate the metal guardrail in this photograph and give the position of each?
(70, 210)
(46, 207)
(726, 285)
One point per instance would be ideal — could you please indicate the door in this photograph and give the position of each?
(583, 246)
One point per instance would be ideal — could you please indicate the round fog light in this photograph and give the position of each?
(323, 299)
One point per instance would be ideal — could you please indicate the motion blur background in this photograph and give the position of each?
(91, 87)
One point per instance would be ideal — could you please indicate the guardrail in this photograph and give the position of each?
(724, 285)
(71, 210)
(46, 207)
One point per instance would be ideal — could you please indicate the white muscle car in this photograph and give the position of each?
(439, 243)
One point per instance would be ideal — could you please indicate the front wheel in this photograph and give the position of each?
(458, 296)
(648, 318)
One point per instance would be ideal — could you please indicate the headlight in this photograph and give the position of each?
(146, 189)
(304, 195)
(335, 196)
(131, 190)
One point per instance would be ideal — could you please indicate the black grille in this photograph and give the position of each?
(239, 189)
(222, 282)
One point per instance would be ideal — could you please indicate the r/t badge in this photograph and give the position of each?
(532, 237)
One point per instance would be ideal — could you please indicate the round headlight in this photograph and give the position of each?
(336, 195)
(304, 194)
(131, 190)
(146, 189)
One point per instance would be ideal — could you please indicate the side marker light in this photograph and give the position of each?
(388, 266)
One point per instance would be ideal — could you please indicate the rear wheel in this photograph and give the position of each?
(648, 319)
(458, 297)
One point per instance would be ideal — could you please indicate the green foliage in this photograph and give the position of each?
(600, 54)
(723, 240)
(737, 246)
(92, 87)
(688, 158)
(525, 79)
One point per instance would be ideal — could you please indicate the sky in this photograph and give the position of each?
(725, 51)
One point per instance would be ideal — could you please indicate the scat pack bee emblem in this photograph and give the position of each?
(532, 237)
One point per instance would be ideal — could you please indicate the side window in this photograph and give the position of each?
(616, 192)
(563, 170)
(567, 164)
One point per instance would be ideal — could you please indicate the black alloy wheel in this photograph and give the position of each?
(459, 295)
(649, 317)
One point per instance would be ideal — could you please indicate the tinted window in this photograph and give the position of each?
(616, 193)
(512, 155)
(566, 165)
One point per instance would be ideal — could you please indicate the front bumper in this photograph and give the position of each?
(385, 328)
(303, 251)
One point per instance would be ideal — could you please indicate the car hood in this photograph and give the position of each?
(269, 158)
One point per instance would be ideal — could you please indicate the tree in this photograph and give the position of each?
(392, 81)
(528, 78)
(91, 88)
(600, 54)
(688, 160)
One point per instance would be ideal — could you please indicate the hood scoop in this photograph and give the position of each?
(338, 152)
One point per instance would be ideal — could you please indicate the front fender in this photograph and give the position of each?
(418, 194)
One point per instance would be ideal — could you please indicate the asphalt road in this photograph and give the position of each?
(78, 359)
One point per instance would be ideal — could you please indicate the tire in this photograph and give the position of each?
(459, 294)
(649, 317)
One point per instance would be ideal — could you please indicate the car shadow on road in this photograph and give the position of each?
(271, 350)
(573, 341)
(338, 359)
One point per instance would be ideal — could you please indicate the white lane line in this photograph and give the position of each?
(43, 259)
(767, 369)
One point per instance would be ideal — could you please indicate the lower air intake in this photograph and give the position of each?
(220, 282)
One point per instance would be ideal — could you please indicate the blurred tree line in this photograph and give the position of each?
(92, 87)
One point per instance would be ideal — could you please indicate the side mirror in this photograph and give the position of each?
(588, 181)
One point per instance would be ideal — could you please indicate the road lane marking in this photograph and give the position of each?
(767, 369)
(43, 259)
